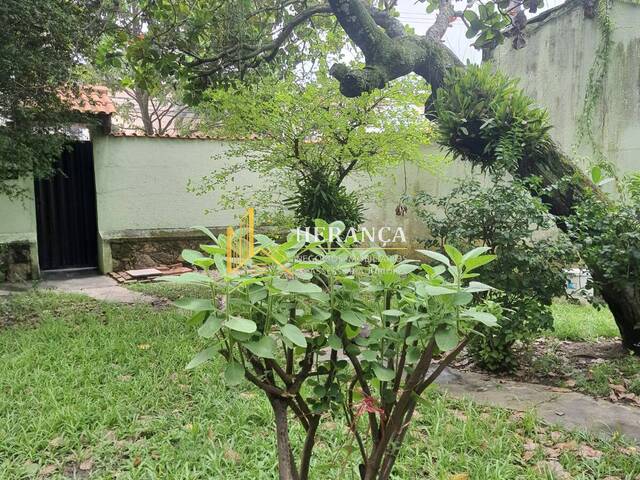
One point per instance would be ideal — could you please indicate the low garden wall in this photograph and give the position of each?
(15, 262)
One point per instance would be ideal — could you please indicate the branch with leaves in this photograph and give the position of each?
(286, 323)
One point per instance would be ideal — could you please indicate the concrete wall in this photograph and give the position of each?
(141, 190)
(554, 69)
(18, 227)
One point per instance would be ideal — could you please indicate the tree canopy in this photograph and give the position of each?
(41, 43)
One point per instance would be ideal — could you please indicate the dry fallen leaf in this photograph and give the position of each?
(232, 455)
(628, 450)
(555, 436)
(567, 446)
(529, 446)
(459, 476)
(86, 465)
(554, 468)
(57, 442)
(144, 346)
(617, 388)
(137, 461)
(47, 470)
(587, 452)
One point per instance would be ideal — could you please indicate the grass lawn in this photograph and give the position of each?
(582, 322)
(95, 390)
(170, 291)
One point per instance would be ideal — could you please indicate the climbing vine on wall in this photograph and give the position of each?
(595, 82)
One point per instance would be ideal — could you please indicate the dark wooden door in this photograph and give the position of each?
(66, 212)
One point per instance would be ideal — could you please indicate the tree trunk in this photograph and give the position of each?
(623, 299)
(391, 53)
(624, 303)
(286, 465)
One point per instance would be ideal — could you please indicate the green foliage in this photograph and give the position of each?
(485, 118)
(33, 74)
(319, 195)
(303, 134)
(280, 321)
(488, 24)
(528, 274)
(607, 234)
(204, 44)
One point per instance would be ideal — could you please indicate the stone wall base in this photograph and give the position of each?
(129, 254)
(15, 262)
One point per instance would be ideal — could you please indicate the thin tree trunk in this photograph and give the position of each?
(286, 464)
(307, 449)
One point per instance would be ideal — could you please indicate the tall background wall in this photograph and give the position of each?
(554, 69)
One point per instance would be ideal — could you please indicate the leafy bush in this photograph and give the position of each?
(281, 321)
(527, 274)
(608, 232)
(303, 133)
(485, 118)
(320, 195)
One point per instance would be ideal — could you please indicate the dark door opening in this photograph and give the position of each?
(66, 212)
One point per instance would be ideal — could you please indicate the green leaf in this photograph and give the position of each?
(475, 287)
(294, 334)
(474, 263)
(265, 347)
(462, 298)
(427, 290)
(204, 356)
(240, 324)
(369, 355)
(204, 262)
(206, 231)
(319, 314)
(210, 327)
(474, 253)
(334, 342)
(435, 256)
(405, 268)
(454, 254)
(194, 304)
(198, 318)
(213, 249)
(233, 373)
(446, 337)
(383, 374)
(483, 317)
(295, 286)
(191, 256)
(355, 319)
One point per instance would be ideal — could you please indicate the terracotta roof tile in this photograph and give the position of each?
(90, 99)
(174, 135)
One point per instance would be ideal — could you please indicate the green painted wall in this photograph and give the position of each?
(554, 68)
(141, 189)
(141, 183)
(18, 223)
(18, 217)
